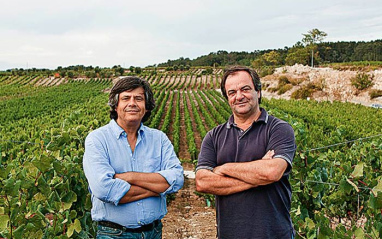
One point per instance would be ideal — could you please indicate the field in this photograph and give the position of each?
(336, 177)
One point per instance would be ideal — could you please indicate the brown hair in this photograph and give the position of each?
(126, 84)
(232, 70)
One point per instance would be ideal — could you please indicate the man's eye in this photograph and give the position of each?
(230, 93)
(139, 98)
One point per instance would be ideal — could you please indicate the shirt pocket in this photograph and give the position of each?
(152, 164)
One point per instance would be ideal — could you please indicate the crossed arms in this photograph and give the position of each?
(111, 181)
(143, 185)
(231, 178)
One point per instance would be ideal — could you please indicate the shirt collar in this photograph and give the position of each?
(118, 131)
(263, 118)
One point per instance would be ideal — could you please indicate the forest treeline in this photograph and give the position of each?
(314, 54)
(326, 52)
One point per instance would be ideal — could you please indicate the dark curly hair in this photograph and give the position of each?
(126, 84)
(232, 70)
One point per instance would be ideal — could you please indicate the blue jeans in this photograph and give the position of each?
(111, 233)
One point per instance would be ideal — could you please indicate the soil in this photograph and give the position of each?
(183, 152)
(188, 216)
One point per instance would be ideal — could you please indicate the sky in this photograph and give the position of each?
(48, 34)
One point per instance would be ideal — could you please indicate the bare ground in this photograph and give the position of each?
(188, 216)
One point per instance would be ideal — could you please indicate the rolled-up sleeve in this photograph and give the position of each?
(100, 174)
(282, 141)
(171, 168)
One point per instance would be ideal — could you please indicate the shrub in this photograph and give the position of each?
(375, 93)
(319, 84)
(296, 81)
(284, 88)
(266, 70)
(283, 80)
(305, 91)
(302, 93)
(272, 89)
(362, 81)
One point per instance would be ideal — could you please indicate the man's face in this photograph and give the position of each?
(242, 96)
(131, 106)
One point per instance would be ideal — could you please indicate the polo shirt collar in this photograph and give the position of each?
(263, 118)
(118, 131)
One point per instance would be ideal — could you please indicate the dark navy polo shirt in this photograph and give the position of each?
(261, 212)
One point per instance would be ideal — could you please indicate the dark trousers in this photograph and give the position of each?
(112, 233)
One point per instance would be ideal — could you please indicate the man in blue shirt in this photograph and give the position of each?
(130, 167)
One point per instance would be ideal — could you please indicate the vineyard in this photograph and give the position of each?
(336, 178)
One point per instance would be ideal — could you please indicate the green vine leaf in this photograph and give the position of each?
(43, 163)
(358, 171)
(310, 223)
(4, 219)
(359, 234)
(76, 226)
(377, 188)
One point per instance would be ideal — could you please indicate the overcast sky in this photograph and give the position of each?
(48, 34)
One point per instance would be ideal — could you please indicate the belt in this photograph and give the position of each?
(144, 228)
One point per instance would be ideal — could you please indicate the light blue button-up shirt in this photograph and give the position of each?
(107, 152)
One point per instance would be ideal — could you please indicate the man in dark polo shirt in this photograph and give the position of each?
(246, 163)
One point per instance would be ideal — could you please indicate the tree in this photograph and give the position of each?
(137, 70)
(70, 74)
(297, 55)
(271, 58)
(313, 37)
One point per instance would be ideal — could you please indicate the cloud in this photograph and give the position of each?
(48, 34)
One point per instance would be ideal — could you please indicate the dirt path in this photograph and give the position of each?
(188, 217)
(183, 147)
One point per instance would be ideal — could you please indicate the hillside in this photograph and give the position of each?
(332, 84)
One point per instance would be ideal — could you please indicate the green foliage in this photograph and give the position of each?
(207, 71)
(265, 70)
(297, 56)
(362, 81)
(272, 58)
(283, 80)
(325, 52)
(43, 191)
(284, 88)
(192, 149)
(314, 36)
(176, 125)
(284, 85)
(306, 91)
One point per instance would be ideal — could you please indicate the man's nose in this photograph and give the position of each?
(132, 102)
(239, 95)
